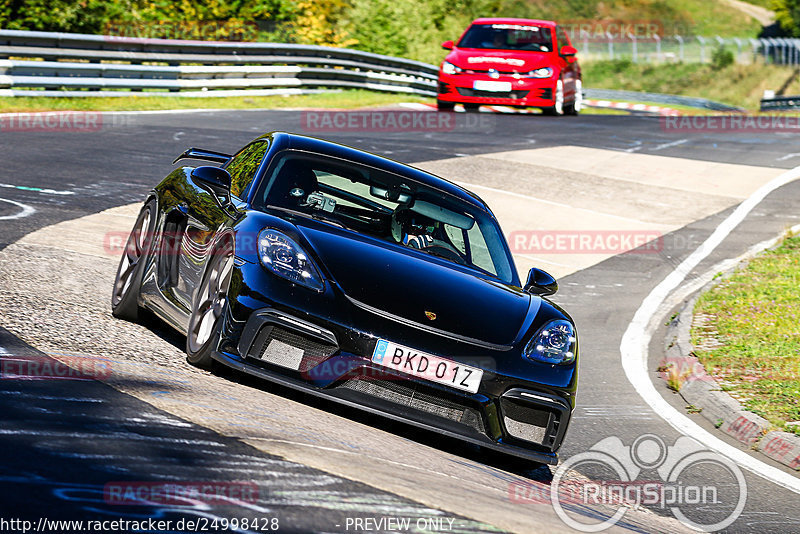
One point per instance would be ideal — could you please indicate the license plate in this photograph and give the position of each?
(427, 366)
(487, 85)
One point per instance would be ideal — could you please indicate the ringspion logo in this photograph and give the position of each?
(648, 473)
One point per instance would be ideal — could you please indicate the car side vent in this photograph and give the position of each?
(530, 423)
(288, 349)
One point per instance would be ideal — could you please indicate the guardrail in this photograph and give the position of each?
(688, 49)
(65, 64)
(781, 103)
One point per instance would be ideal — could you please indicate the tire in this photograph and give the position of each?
(135, 256)
(471, 107)
(209, 307)
(558, 108)
(441, 105)
(577, 101)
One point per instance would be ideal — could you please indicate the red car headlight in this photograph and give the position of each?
(449, 68)
(544, 72)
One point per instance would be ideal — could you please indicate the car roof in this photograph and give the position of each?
(289, 141)
(532, 22)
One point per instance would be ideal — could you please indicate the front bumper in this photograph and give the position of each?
(316, 354)
(529, 92)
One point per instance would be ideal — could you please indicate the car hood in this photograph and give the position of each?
(502, 60)
(406, 284)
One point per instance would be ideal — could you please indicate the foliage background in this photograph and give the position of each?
(407, 28)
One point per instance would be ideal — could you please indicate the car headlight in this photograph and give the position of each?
(544, 72)
(449, 68)
(555, 343)
(284, 257)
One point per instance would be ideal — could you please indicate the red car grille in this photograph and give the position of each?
(464, 91)
(504, 72)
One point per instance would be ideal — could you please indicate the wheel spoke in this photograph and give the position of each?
(125, 275)
(205, 326)
(142, 238)
(210, 302)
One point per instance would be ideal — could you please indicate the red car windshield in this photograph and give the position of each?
(508, 37)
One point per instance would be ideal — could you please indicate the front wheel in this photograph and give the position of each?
(558, 103)
(442, 105)
(210, 303)
(577, 100)
(125, 296)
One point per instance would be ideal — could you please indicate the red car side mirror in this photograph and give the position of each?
(568, 51)
(448, 45)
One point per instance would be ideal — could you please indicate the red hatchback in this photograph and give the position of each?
(511, 62)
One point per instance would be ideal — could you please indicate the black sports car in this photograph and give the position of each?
(358, 279)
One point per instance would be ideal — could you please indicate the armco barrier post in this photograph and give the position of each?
(702, 49)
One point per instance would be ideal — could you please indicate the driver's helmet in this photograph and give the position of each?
(412, 229)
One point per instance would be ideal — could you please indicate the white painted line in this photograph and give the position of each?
(25, 210)
(418, 106)
(788, 156)
(37, 189)
(635, 341)
(672, 144)
(550, 202)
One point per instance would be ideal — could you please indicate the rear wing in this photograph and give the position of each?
(206, 155)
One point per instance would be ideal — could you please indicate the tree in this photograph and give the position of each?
(787, 13)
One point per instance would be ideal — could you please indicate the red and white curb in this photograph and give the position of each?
(627, 106)
(605, 104)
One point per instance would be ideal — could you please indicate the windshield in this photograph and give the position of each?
(508, 37)
(386, 206)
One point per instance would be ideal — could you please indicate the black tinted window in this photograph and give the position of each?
(244, 165)
(562, 38)
(508, 37)
(390, 207)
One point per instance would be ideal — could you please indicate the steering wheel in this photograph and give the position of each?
(445, 251)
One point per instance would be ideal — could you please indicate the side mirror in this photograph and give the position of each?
(448, 45)
(216, 179)
(540, 283)
(568, 51)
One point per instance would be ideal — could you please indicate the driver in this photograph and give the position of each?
(412, 229)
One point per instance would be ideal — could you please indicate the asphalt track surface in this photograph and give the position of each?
(60, 450)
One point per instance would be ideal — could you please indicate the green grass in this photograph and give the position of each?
(755, 314)
(738, 85)
(344, 100)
